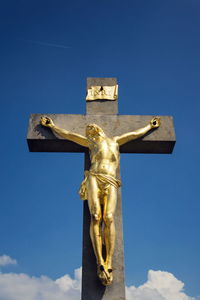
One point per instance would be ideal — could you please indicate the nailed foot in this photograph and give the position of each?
(105, 275)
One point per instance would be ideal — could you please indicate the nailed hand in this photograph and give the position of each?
(155, 122)
(45, 121)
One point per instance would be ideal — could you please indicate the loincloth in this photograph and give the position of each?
(104, 182)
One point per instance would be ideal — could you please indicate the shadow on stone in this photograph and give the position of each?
(43, 131)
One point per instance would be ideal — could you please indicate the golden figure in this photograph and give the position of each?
(100, 185)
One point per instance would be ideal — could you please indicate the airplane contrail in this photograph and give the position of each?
(46, 44)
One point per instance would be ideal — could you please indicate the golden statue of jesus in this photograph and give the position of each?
(100, 185)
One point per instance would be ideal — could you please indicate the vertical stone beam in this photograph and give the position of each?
(92, 289)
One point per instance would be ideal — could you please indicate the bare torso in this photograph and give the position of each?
(104, 155)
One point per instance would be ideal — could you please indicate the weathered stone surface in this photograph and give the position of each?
(41, 139)
(93, 81)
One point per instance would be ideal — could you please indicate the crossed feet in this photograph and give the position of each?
(105, 274)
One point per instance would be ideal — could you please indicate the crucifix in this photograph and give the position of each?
(102, 135)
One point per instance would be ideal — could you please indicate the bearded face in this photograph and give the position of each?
(93, 131)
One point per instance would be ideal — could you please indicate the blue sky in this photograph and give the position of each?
(48, 49)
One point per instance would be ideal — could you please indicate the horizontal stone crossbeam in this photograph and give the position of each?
(41, 139)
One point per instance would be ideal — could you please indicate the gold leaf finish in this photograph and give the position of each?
(100, 185)
(102, 93)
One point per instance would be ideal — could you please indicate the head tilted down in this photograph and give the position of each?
(93, 131)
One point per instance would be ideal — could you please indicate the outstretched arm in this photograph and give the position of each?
(129, 136)
(68, 135)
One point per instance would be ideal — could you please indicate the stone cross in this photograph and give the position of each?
(105, 114)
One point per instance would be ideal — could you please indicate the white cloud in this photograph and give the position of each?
(160, 285)
(7, 260)
(23, 287)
